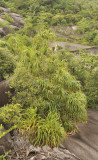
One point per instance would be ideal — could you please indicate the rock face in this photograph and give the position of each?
(14, 21)
(84, 144)
(70, 46)
(5, 143)
(74, 47)
(26, 151)
(46, 153)
(18, 20)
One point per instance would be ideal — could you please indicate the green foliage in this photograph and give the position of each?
(84, 68)
(84, 25)
(45, 13)
(49, 131)
(58, 19)
(3, 24)
(13, 113)
(40, 131)
(91, 89)
(4, 133)
(91, 37)
(3, 157)
(17, 43)
(48, 98)
(7, 63)
(42, 80)
(2, 3)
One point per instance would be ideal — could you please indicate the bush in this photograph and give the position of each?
(84, 68)
(43, 80)
(46, 90)
(7, 63)
(40, 131)
(84, 25)
(58, 20)
(49, 131)
(2, 3)
(91, 89)
(91, 37)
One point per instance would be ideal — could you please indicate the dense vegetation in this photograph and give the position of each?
(51, 89)
(38, 13)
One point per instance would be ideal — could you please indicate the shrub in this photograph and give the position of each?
(84, 68)
(2, 3)
(91, 37)
(40, 131)
(84, 25)
(49, 131)
(7, 63)
(46, 90)
(58, 20)
(91, 89)
(42, 80)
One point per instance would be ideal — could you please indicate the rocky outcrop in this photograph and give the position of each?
(6, 26)
(84, 144)
(6, 10)
(6, 143)
(46, 153)
(70, 46)
(74, 47)
(18, 20)
(25, 151)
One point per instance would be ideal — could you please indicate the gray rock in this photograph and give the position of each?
(46, 148)
(4, 9)
(18, 19)
(5, 143)
(84, 144)
(2, 150)
(33, 158)
(61, 146)
(60, 155)
(2, 20)
(14, 27)
(43, 158)
(31, 150)
(35, 149)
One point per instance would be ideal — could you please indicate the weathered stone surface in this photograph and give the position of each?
(70, 46)
(18, 21)
(14, 27)
(26, 151)
(84, 144)
(33, 150)
(46, 153)
(5, 143)
(2, 20)
(4, 9)
(46, 148)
